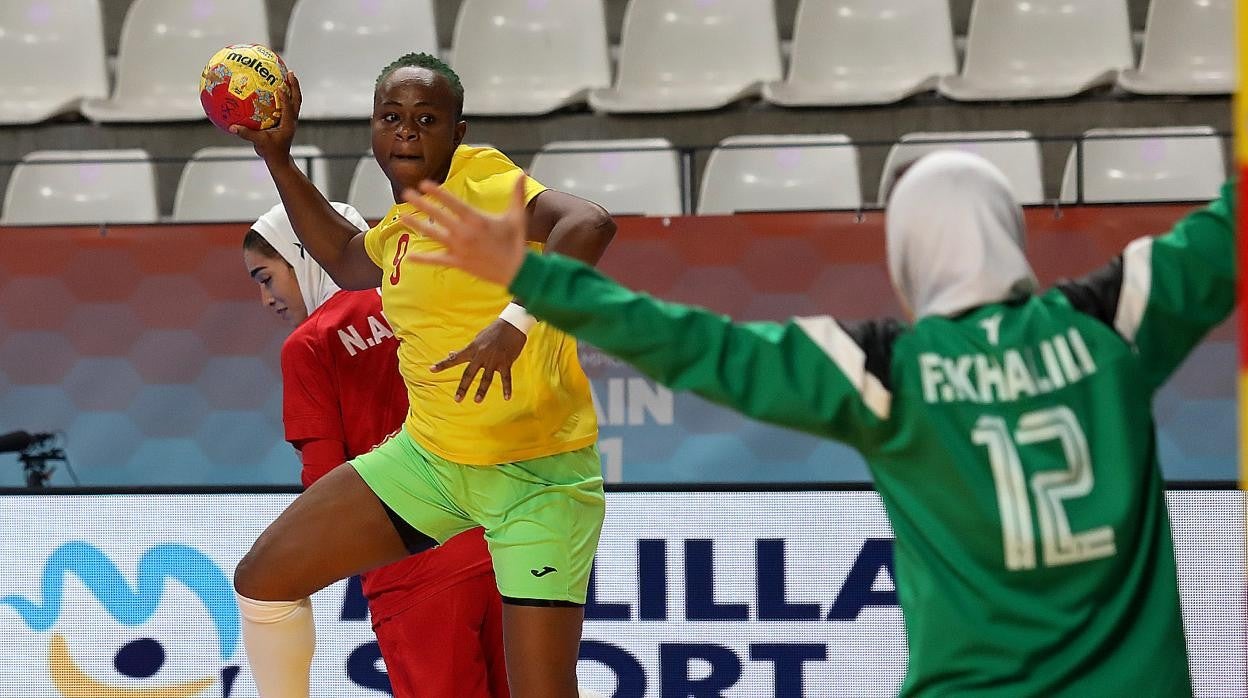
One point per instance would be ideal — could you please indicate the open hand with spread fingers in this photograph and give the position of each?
(494, 350)
(487, 246)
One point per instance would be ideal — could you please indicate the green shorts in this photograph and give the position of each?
(541, 517)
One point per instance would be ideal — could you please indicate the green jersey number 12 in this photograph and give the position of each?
(1049, 489)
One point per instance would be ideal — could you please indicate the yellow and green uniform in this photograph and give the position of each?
(436, 473)
(435, 311)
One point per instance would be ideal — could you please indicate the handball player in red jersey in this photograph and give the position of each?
(437, 614)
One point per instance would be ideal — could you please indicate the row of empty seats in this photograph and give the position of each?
(631, 177)
(820, 172)
(119, 186)
(535, 56)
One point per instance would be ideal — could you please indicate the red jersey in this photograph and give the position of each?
(342, 394)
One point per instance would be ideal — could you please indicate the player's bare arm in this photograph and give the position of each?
(570, 226)
(332, 240)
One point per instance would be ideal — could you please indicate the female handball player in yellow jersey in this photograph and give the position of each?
(519, 460)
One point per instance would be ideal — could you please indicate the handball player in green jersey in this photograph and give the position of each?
(1009, 429)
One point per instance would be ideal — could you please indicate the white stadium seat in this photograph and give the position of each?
(370, 192)
(626, 177)
(851, 52)
(339, 48)
(781, 173)
(1015, 153)
(232, 184)
(1189, 49)
(1183, 163)
(59, 47)
(528, 57)
(1041, 49)
(688, 55)
(81, 187)
(164, 47)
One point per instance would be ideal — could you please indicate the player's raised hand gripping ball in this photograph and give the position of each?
(245, 85)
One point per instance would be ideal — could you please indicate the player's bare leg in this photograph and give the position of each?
(333, 530)
(542, 644)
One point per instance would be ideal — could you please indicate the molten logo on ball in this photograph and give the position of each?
(243, 84)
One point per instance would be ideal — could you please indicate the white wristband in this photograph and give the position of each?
(519, 318)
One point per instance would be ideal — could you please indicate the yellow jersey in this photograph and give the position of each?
(435, 311)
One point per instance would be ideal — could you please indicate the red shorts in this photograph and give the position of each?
(448, 644)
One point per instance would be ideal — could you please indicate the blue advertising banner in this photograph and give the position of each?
(734, 594)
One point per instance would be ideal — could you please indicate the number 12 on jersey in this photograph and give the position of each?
(1049, 489)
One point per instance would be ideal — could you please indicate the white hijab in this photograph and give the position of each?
(955, 236)
(315, 284)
